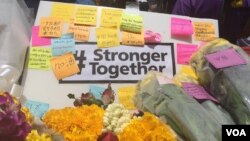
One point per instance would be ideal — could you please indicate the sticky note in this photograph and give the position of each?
(110, 17)
(60, 46)
(225, 58)
(81, 33)
(181, 27)
(131, 23)
(86, 15)
(129, 38)
(37, 109)
(152, 37)
(39, 58)
(39, 41)
(97, 91)
(50, 27)
(197, 92)
(203, 31)
(107, 37)
(184, 52)
(62, 11)
(126, 96)
(64, 65)
(164, 80)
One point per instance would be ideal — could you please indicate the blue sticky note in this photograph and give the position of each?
(37, 108)
(63, 45)
(97, 91)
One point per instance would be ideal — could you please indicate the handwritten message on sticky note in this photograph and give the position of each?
(184, 52)
(110, 17)
(62, 11)
(203, 31)
(197, 92)
(39, 41)
(107, 37)
(39, 58)
(37, 109)
(131, 23)
(225, 58)
(97, 91)
(50, 27)
(181, 27)
(129, 38)
(126, 96)
(86, 15)
(81, 33)
(164, 80)
(62, 45)
(64, 66)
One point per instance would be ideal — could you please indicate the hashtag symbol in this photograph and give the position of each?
(80, 59)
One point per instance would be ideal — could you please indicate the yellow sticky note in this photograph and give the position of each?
(50, 27)
(203, 31)
(62, 11)
(126, 96)
(86, 15)
(107, 37)
(64, 66)
(39, 58)
(129, 38)
(131, 23)
(71, 26)
(110, 17)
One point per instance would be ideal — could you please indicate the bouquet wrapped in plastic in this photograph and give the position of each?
(184, 114)
(230, 85)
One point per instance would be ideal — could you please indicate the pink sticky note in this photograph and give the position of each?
(181, 27)
(164, 80)
(184, 52)
(151, 37)
(38, 41)
(225, 58)
(197, 92)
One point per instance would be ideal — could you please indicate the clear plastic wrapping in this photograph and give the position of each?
(231, 85)
(184, 114)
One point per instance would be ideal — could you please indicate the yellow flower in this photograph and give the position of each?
(147, 128)
(28, 115)
(34, 136)
(76, 123)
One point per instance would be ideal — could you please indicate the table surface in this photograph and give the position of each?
(42, 86)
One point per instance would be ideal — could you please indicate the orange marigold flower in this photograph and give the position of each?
(147, 128)
(76, 123)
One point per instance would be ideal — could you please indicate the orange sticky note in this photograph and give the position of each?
(129, 38)
(86, 15)
(64, 66)
(81, 33)
(107, 37)
(50, 27)
(203, 31)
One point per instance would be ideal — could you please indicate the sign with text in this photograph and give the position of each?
(123, 64)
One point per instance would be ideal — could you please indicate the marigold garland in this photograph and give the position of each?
(76, 124)
(147, 128)
(34, 136)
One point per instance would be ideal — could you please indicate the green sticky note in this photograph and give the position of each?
(131, 23)
(39, 58)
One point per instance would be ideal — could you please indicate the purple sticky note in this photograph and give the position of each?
(197, 92)
(39, 41)
(225, 58)
(181, 27)
(184, 52)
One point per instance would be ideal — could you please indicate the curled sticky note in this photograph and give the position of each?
(151, 37)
